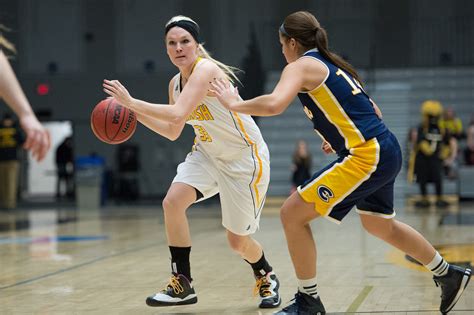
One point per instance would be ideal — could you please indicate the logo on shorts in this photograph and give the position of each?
(325, 193)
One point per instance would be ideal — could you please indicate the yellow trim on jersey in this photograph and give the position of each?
(342, 178)
(328, 104)
(195, 141)
(195, 63)
(260, 164)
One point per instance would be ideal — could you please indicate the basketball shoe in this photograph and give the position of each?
(267, 287)
(452, 285)
(304, 305)
(178, 291)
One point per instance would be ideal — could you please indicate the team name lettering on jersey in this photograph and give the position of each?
(201, 113)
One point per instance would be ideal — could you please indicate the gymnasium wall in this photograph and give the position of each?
(73, 45)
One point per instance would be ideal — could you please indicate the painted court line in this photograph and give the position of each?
(77, 266)
(360, 298)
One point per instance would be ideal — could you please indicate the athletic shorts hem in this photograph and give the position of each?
(377, 214)
(331, 219)
(204, 196)
(241, 233)
(298, 189)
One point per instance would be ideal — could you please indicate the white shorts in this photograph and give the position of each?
(241, 181)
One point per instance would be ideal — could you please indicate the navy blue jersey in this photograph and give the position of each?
(341, 112)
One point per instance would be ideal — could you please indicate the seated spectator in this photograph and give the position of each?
(469, 150)
(449, 154)
(301, 166)
(410, 153)
(11, 140)
(451, 123)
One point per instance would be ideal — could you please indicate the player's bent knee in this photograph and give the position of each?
(379, 227)
(170, 205)
(285, 216)
(237, 243)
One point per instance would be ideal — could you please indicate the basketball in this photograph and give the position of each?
(113, 123)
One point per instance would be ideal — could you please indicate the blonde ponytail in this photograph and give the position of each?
(228, 70)
(4, 42)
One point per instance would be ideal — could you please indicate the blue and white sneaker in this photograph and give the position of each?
(452, 286)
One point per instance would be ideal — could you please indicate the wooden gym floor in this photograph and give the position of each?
(107, 261)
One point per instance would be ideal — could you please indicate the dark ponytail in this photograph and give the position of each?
(305, 29)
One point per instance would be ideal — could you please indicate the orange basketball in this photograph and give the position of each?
(113, 123)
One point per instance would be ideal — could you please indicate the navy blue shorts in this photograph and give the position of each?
(363, 178)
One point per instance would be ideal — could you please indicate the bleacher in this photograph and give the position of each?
(399, 94)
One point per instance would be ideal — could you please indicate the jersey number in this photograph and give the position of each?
(355, 89)
(203, 135)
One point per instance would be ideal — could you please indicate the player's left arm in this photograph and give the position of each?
(265, 105)
(377, 110)
(295, 77)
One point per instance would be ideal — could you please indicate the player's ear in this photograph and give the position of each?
(292, 42)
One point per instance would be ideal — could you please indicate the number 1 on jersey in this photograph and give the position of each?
(355, 89)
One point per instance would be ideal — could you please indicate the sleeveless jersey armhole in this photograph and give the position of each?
(327, 75)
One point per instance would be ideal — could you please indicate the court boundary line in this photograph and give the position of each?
(404, 312)
(360, 298)
(27, 281)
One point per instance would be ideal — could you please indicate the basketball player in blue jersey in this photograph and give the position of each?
(229, 157)
(363, 175)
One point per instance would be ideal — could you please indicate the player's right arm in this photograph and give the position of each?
(164, 128)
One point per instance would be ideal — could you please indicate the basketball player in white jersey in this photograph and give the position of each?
(229, 157)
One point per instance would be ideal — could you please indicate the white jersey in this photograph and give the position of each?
(229, 157)
(220, 132)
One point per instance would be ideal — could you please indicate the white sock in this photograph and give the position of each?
(308, 286)
(438, 266)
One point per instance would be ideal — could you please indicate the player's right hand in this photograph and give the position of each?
(38, 140)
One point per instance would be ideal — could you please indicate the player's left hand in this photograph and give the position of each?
(225, 92)
(326, 147)
(377, 110)
(38, 139)
(115, 89)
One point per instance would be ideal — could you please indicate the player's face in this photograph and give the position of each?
(181, 47)
(288, 49)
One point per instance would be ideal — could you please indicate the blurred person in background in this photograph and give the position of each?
(301, 166)
(11, 139)
(451, 123)
(435, 149)
(469, 149)
(65, 169)
(410, 153)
